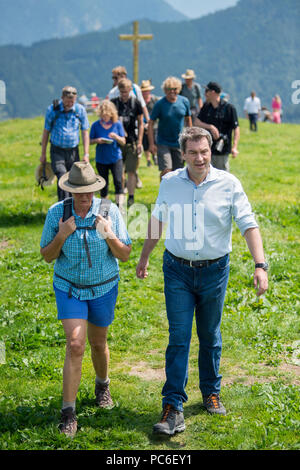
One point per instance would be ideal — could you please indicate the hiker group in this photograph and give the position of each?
(190, 140)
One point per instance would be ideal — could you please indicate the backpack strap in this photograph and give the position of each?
(104, 207)
(67, 208)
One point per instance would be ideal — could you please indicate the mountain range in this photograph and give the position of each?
(253, 45)
(25, 23)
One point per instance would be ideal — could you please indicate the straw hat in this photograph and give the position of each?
(189, 74)
(44, 175)
(146, 85)
(81, 179)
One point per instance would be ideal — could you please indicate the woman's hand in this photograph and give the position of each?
(104, 226)
(68, 227)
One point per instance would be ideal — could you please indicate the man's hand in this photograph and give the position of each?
(234, 152)
(139, 149)
(214, 132)
(141, 269)
(153, 149)
(43, 159)
(260, 281)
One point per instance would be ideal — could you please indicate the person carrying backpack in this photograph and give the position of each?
(63, 120)
(86, 237)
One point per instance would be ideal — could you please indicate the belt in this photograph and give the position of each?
(194, 264)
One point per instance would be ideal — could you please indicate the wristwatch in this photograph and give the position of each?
(264, 266)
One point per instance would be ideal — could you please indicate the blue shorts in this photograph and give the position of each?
(99, 311)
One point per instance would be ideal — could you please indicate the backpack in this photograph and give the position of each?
(56, 109)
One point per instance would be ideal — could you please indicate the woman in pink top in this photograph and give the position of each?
(276, 108)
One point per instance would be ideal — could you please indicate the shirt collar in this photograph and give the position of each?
(211, 176)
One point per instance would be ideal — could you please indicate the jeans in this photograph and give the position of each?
(61, 162)
(189, 290)
(253, 121)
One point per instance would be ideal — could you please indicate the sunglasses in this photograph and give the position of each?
(172, 89)
(70, 93)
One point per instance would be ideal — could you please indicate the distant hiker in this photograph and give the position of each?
(220, 118)
(150, 100)
(109, 136)
(86, 237)
(63, 120)
(252, 108)
(192, 91)
(118, 73)
(197, 204)
(173, 112)
(276, 109)
(131, 115)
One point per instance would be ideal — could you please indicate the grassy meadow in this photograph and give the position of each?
(260, 360)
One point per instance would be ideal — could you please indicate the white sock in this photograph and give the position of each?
(68, 404)
(102, 381)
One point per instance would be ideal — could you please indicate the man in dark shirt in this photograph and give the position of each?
(130, 111)
(220, 119)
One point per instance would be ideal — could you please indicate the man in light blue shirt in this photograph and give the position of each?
(63, 121)
(198, 203)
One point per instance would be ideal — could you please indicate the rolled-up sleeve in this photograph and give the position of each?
(241, 209)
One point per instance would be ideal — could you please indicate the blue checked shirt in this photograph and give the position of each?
(72, 264)
(64, 127)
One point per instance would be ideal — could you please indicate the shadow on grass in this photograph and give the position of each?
(21, 218)
(113, 425)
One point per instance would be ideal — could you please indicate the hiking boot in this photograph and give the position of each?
(103, 397)
(68, 422)
(149, 163)
(171, 421)
(213, 405)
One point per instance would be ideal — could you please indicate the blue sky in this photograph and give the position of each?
(196, 8)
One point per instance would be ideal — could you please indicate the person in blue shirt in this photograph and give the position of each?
(108, 134)
(197, 203)
(173, 112)
(63, 121)
(86, 248)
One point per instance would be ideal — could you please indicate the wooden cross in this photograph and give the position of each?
(135, 38)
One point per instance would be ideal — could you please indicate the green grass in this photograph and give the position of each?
(259, 361)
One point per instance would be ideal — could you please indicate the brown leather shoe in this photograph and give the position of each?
(68, 422)
(103, 397)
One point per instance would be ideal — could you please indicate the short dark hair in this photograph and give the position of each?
(194, 134)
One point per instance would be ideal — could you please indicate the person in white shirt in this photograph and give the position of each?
(252, 108)
(198, 203)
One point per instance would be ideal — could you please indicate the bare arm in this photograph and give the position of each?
(118, 248)
(53, 249)
(140, 133)
(236, 138)
(45, 138)
(209, 127)
(188, 121)
(155, 228)
(255, 245)
(86, 144)
(150, 134)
